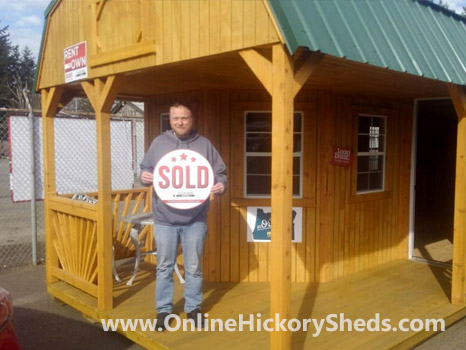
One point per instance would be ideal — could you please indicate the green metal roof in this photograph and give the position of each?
(411, 36)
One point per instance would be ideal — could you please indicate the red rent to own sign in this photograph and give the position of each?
(183, 179)
(75, 62)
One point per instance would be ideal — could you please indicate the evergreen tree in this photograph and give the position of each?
(5, 65)
(27, 68)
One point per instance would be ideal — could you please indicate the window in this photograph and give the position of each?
(258, 154)
(164, 122)
(371, 153)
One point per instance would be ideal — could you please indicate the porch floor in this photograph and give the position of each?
(397, 290)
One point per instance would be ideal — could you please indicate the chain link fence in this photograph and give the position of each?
(75, 166)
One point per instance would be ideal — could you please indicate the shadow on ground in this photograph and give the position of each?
(44, 323)
(44, 330)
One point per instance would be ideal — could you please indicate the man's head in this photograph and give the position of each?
(181, 120)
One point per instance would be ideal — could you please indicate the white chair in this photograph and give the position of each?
(140, 221)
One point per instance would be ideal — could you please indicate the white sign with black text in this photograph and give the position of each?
(183, 179)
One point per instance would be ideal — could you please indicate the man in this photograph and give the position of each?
(187, 225)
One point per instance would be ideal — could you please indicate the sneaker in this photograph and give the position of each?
(160, 323)
(198, 317)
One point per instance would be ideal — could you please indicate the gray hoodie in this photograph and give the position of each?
(164, 214)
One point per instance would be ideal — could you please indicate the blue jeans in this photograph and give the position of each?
(192, 241)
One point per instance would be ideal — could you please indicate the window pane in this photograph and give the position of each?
(296, 185)
(363, 164)
(297, 122)
(380, 123)
(376, 143)
(258, 142)
(258, 165)
(363, 143)
(375, 163)
(297, 143)
(165, 122)
(296, 166)
(363, 182)
(371, 139)
(364, 124)
(258, 121)
(258, 185)
(375, 181)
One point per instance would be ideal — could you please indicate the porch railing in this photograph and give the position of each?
(73, 235)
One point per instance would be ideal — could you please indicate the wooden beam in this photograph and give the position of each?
(305, 71)
(124, 53)
(50, 101)
(100, 7)
(458, 97)
(260, 66)
(458, 288)
(76, 281)
(282, 191)
(101, 94)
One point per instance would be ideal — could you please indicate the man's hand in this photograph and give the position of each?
(218, 188)
(147, 177)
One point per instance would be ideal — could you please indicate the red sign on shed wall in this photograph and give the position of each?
(75, 62)
(342, 157)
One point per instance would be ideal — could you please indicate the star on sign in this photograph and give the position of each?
(183, 156)
(193, 159)
(173, 159)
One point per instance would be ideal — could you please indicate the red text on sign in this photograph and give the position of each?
(179, 177)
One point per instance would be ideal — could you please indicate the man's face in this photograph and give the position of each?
(181, 121)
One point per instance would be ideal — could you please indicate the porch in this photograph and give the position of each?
(396, 290)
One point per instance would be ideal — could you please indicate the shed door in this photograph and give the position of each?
(435, 180)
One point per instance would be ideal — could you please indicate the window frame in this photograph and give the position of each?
(299, 154)
(384, 153)
(390, 139)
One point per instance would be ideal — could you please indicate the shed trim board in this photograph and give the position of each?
(215, 55)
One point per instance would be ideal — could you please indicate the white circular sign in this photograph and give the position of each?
(183, 179)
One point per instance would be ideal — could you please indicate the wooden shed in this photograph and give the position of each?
(315, 107)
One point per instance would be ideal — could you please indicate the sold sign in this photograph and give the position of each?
(183, 179)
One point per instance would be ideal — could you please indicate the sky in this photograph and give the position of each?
(25, 19)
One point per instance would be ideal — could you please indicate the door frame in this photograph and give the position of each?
(412, 190)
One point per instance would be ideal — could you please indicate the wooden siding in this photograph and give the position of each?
(127, 35)
(342, 233)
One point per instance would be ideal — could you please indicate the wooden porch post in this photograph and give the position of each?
(282, 192)
(50, 101)
(458, 288)
(283, 83)
(101, 94)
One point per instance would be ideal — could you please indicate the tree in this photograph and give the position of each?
(5, 65)
(23, 71)
(27, 67)
(17, 71)
(444, 4)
